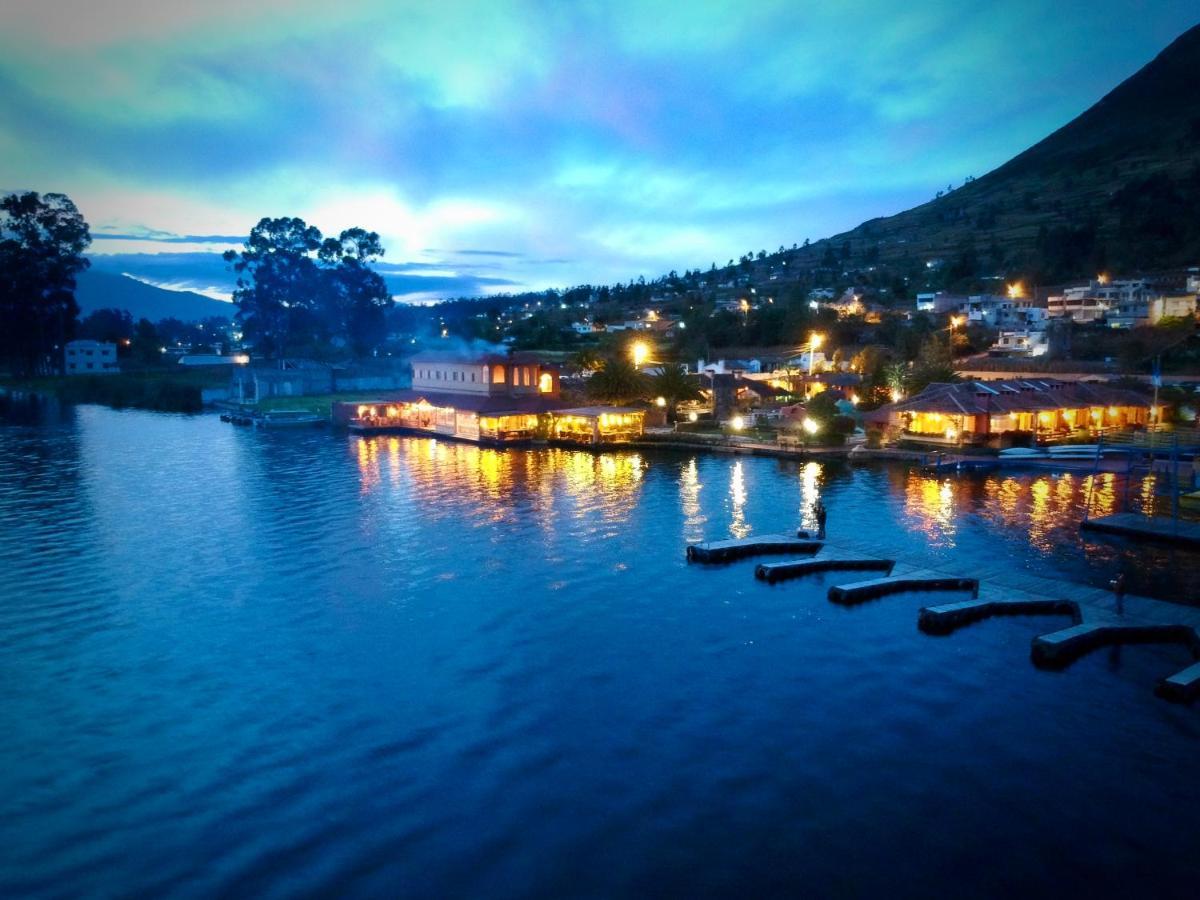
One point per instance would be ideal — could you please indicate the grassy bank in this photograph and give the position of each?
(322, 405)
(163, 391)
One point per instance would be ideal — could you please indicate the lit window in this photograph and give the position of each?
(498, 374)
(546, 383)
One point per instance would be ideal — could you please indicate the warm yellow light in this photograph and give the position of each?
(737, 423)
(660, 401)
(1016, 290)
(1112, 410)
(1096, 414)
(241, 359)
(639, 351)
(1154, 412)
(810, 425)
(897, 395)
(951, 434)
(816, 340)
(1044, 418)
(693, 416)
(546, 383)
(745, 304)
(1102, 278)
(955, 321)
(854, 399)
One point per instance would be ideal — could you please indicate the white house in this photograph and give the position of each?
(1025, 343)
(90, 358)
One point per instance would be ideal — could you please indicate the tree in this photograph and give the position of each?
(617, 381)
(42, 239)
(296, 288)
(277, 278)
(356, 296)
(675, 386)
(935, 363)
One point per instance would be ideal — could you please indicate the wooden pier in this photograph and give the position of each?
(947, 618)
(797, 568)
(1149, 528)
(740, 548)
(878, 587)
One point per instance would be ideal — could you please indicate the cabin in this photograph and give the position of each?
(597, 425)
(976, 412)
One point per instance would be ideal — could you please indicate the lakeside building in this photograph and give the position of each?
(488, 398)
(90, 358)
(976, 412)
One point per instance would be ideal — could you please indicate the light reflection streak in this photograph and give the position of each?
(689, 498)
(738, 526)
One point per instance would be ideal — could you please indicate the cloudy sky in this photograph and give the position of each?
(502, 145)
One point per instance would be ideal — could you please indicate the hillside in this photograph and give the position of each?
(104, 290)
(1116, 187)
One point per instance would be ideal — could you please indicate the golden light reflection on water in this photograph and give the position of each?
(929, 507)
(689, 501)
(738, 526)
(1045, 509)
(597, 483)
(810, 492)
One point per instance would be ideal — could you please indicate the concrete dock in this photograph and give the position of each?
(740, 548)
(1002, 586)
(1182, 686)
(945, 619)
(797, 568)
(1148, 528)
(860, 591)
(1060, 648)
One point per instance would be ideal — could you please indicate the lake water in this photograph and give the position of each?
(241, 663)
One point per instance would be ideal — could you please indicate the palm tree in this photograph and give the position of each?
(675, 386)
(617, 381)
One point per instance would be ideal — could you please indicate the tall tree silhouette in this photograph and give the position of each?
(42, 239)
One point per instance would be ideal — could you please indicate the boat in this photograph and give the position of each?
(1023, 453)
(288, 417)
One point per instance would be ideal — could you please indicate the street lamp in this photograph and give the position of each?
(639, 352)
(814, 342)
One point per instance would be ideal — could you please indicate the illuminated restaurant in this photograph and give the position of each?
(489, 399)
(975, 412)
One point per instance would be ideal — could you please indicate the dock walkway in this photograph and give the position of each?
(759, 545)
(1152, 528)
(1003, 589)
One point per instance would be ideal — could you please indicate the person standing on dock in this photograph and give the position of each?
(821, 513)
(1118, 589)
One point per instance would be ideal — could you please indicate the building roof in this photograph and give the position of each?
(477, 403)
(468, 358)
(593, 412)
(973, 398)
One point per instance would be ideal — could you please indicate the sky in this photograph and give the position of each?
(501, 146)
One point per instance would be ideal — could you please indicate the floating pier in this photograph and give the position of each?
(879, 587)
(945, 619)
(1060, 648)
(1151, 528)
(797, 568)
(740, 548)
(1182, 686)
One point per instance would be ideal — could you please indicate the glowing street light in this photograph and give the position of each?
(693, 416)
(814, 342)
(660, 401)
(810, 425)
(737, 423)
(639, 351)
(1016, 290)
